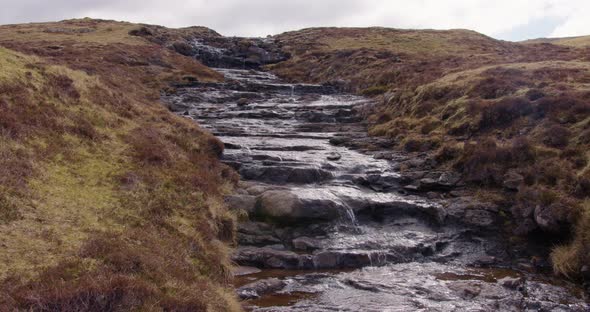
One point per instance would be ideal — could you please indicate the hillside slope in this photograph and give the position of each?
(514, 119)
(107, 200)
(581, 41)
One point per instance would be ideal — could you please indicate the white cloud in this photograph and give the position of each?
(577, 23)
(262, 17)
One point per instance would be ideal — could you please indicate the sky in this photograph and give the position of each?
(502, 19)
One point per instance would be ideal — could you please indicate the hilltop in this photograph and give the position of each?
(107, 200)
(580, 41)
(512, 118)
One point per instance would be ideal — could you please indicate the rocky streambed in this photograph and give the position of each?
(330, 224)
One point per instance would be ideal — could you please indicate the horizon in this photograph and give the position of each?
(290, 30)
(520, 19)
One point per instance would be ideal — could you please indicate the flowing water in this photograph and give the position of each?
(331, 226)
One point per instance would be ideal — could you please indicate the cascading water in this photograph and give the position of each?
(316, 203)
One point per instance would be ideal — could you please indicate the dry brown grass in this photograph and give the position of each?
(499, 107)
(108, 202)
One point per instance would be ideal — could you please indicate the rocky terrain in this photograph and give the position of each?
(384, 169)
(327, 216)
(512, 118)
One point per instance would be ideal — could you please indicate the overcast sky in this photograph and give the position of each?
(502, 19)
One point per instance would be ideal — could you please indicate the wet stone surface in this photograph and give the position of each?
(334, 226)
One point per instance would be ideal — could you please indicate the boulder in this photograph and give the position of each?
(552, 218)
(339, 141)
(243, 102)
(259, 288)
(334, 156)
(283, 205)
(511, 282)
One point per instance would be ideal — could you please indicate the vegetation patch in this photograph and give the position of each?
(495, 111)
(107, 200)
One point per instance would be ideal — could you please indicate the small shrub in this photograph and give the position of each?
(557, 136)
(492, 88)
(149, 147)
(8, 209)
(63, 87)
(448, 153)
(84, 128)
(535, 94)
(429, 125)
(504, 112)
(569, 259)
(420, 145)
(486, 163)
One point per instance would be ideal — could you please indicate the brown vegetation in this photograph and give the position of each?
(502, 109)
(108, 202)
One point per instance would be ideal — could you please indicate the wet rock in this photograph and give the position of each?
(384, 155)
(243, 102)
(260, 288)
(339, 141)
(412, 188)
(264, 257)
(286, 206)
(283, 175)
(512, 181)
(362, 285)
(469, 211)
(428, 184)
(379, 182)
(479, 217)
(241, 202)
(340, 260)
(244, 270)
(511, 282)
(254, 228)
(256, 234)
(306, 243)
(334, 156)
(466, 289)
(325, 260)
(548, 218)
(449, 179)
(485, 261)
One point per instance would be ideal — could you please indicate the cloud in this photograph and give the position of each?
(576, 24)
(512, 19)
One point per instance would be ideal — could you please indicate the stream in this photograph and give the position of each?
(330, 223)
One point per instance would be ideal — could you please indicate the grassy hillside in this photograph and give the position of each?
(107, 201)
(581, 41)
(493, 110)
